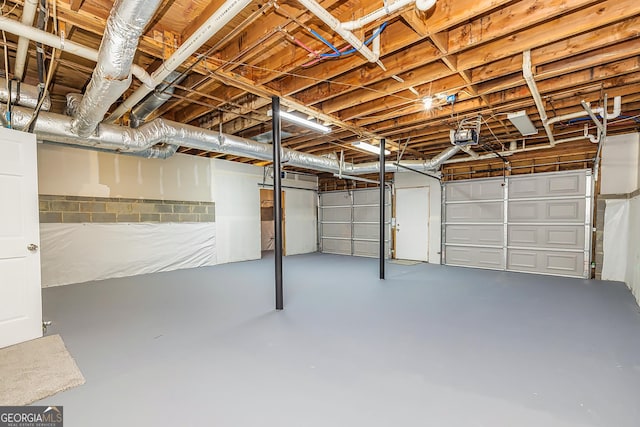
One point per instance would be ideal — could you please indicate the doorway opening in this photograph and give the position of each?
(267, 224)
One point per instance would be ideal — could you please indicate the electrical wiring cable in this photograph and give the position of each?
(338, 53)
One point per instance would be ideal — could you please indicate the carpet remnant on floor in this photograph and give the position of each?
(36, 369)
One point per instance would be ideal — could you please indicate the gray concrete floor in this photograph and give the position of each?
(430, 346)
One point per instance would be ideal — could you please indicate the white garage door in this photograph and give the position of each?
(349, 222)
(538, 223)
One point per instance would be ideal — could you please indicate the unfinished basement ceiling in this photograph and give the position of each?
(580, 50)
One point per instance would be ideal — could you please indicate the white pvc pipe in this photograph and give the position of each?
(569, 116)
(215, 23)
(421, 5)
(592, 114)
(28, 14)
(617, 110)
(531, 83)
(518, 150)
(375, 15)
(333, 23)
(424, 5)
(51, 40)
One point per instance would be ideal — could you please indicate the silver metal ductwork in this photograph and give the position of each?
(155, 99)
(143, 141)
(419, 165)
(112, 75)
(22, 94)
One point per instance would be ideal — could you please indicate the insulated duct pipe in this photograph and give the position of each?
(388, 9)
(156, 99)
(527, 72)
(28, 14)
(150, 104)
(112, 75)
(57, 128)
(51, 40)
(333, 23)
(215, 23)
(22, 94)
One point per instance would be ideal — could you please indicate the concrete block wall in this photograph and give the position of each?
(79, 209)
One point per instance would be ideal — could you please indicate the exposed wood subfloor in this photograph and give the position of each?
(432, 345)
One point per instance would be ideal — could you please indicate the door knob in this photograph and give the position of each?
(32, 247)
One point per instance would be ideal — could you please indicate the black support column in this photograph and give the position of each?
(277, 198)
(382, 207)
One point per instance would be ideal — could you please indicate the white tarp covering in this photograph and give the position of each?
(74, 253)
(633, 258)
(616, 232)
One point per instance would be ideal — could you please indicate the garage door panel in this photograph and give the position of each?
(540, 186)
(349, 222)
(335, 199)
(333, 246)
(546, 229)
(367, 249)
(369, 197)
(336, 214)
(474, 212)
(369, 213)
(475, 257)
(572, 210)
(488, 234)
(337, 230)
(545, 261)
(475, 190)
(366, 231)
(547, 236)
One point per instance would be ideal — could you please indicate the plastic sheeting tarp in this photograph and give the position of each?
(615, 244)
(74, 253)
(633, 259)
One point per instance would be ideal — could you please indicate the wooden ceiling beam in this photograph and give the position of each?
(521, 93)
(566, 48)
(415, 77)
(397, 63)
(601, 14)
(450, 84)
(75, 5)
(96, 24)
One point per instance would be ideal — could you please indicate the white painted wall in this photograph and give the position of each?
(620, 164)
(301, 224)
(412, 179)
(237, 197)
(80, 172)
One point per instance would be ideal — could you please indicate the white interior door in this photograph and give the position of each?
(20, 291)
(412, 223)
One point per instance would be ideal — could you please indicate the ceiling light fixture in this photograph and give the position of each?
(522, 122)
(302, 121)
(368, 147)
(427, 101)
